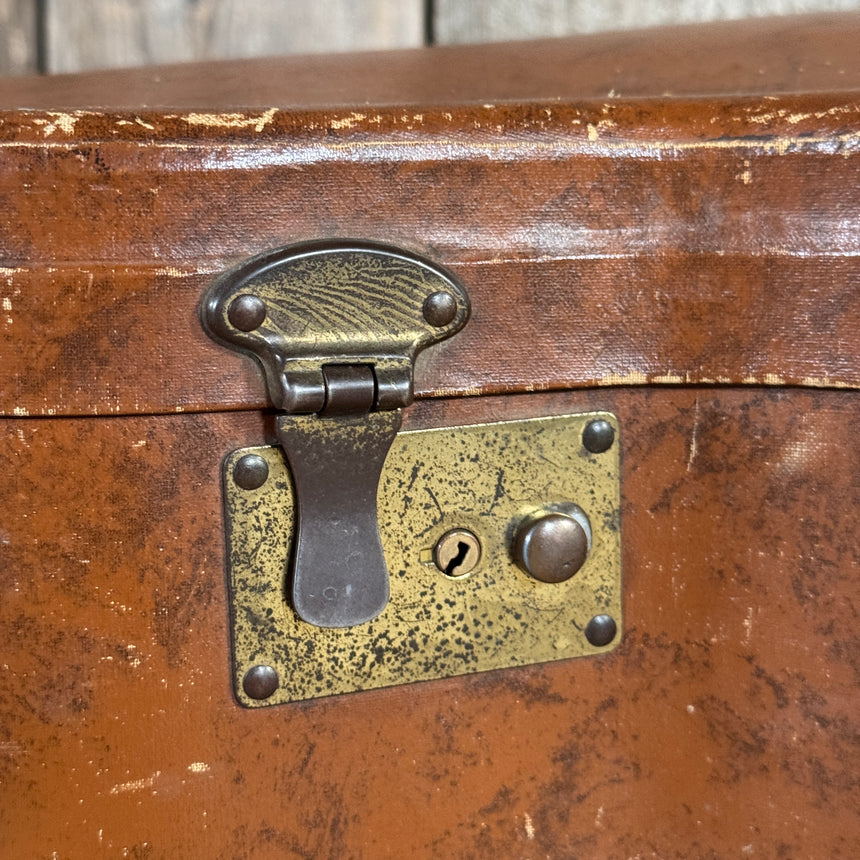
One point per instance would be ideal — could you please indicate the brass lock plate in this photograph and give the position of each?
(483, 481)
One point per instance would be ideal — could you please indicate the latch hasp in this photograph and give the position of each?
(336, 327)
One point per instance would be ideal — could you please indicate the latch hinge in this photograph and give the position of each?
(336, 328)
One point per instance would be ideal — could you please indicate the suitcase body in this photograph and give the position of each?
(685, 263)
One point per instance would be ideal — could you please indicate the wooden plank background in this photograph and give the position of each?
(18, 37)
(457, 21)
(54, 36)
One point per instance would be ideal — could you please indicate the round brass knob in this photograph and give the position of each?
(552, 544)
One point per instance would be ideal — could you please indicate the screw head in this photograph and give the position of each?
(457, 553)
(553, 545)
(260, 682)
(246, 313)
(601, 630)
(440, 309)
(251, 472)
(598, 436)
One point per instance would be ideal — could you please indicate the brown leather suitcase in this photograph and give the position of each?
(639, 256)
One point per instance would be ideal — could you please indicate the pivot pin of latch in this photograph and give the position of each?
(336, 328)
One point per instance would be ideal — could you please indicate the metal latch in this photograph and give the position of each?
(504, 546)
(336, 328)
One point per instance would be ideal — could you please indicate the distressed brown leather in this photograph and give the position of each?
(662, 224)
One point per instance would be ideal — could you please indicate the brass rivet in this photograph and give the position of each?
(457, 553)
(246, 313)
(260, 682)
(598, 436)
(440, 309)
(601, 630)
(251, 472)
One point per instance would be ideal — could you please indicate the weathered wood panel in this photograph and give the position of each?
(94, 34)
(18, 37)
(490, 20)
(730, 58)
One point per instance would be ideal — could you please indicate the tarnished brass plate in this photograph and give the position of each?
(485, 478)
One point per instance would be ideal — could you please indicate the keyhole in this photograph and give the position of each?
(457, 553)
(462, 551)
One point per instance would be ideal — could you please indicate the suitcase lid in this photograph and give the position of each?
(623, 209)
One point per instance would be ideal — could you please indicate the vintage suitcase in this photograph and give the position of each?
(639, 254)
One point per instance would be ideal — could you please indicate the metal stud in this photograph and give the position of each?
(601, 630)
(440, 309)
(246, 313)
(260, 682)
(598, 436)
(251, 472)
